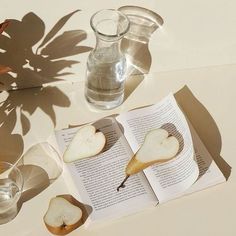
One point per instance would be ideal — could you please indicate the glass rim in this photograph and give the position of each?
(15, 168)
(110, 35)
(151, 15)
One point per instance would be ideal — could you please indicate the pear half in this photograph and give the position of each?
(62, 216)
(158, 147)
(86, 143)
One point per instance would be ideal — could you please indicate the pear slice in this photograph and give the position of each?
(86, 143)
(62, 216)
(158, 147)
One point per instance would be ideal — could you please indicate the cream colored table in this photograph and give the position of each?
(195, 35)
(209, 212)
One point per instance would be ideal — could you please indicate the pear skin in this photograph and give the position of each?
(134, 166)
(158, 147)
(63, 215)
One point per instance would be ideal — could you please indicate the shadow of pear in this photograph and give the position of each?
(108, 126)
(172, 131)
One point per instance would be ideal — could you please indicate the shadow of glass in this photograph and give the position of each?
(131, 84)
(40, 166)
(34, 67)
(205, 126)
(35, 181)
(46, 157)
(135, 45)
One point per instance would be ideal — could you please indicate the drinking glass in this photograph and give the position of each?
(10, 191)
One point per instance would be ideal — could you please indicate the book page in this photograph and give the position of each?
(97, 178)
(174, 177)
(209, 172)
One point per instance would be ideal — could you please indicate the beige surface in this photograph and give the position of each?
(194, 34)
(197, 36)
(209, 211)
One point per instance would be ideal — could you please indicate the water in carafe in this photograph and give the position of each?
(106, 64)
(105, 78)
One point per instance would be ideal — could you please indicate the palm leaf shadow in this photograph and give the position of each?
(56, 28)
(31, 68)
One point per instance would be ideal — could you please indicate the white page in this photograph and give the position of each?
(98, 177)
(209, 172)
(177, 175)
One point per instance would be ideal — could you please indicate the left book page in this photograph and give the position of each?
(97, 178)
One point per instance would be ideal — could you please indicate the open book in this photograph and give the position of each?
(96, 179)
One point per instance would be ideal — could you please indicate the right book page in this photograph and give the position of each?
(174, 178)
(209, 172)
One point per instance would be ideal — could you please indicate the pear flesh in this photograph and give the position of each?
(158, 147)
(86, 143)
(62, 216)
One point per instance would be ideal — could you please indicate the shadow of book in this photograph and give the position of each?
(204, 125)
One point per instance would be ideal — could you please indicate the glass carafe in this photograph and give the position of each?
(106, 64)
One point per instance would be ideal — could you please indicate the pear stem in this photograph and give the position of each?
(122, 183)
